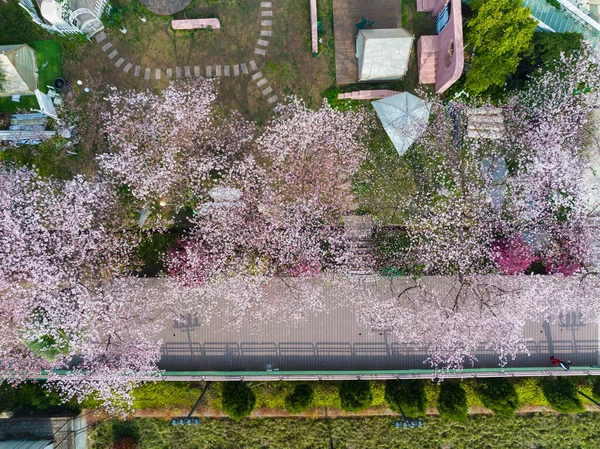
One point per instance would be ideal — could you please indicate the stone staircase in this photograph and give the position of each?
(359, 248)
(427, 54)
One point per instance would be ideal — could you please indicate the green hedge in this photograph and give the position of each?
(452, 402)
(355, 395)
(237, 399)
(499, 395)
(561, 393)
(300, 399)
(406, 396)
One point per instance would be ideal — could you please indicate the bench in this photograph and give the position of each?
(195, 24)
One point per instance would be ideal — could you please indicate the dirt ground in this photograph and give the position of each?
(288, 65)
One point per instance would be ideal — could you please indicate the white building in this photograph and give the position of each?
(67, 16)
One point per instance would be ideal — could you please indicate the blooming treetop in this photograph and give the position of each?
(61, 248)
(149, 135)
(455, 317)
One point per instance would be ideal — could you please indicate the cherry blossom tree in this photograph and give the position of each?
(551, 191)
(454, 318)
(150, 135)
(62, 303)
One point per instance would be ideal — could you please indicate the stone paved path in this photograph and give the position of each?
(241, 68)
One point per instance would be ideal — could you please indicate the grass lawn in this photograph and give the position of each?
(49, 67)
(529, 431)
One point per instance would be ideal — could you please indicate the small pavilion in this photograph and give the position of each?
(383, 54)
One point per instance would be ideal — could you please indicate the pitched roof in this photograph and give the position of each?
(383, 54)
(19, 66)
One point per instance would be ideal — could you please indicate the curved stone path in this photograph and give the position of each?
(209, 71)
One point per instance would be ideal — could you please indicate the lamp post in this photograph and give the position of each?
(188, 421)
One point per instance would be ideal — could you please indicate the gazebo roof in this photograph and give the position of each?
(404, 118)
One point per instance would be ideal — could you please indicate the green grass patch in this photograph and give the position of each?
(482, 432)
(49, 64)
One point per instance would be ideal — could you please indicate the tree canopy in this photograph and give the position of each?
(499, 33)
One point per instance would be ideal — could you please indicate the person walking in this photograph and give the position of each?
(564, 365)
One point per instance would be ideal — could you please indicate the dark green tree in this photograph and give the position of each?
(355, 395)
(498, 35)
(498, 395)
(300, 399)
(406, 396)
(561, 393)
(237, 399)
(452, 401)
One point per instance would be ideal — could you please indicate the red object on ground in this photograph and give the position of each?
(555, 360)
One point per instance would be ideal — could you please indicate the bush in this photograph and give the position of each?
(33, 397)
(596, 388)
(452, 402)
(561, 393)
(300, 399)
(406, 396)
(355, 395)
(125, 443)
(237, 399)
(498, 395)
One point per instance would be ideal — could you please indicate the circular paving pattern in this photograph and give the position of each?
(165, 7)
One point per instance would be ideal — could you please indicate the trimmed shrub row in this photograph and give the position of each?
(411, 398)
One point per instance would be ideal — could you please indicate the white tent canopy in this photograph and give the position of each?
(19, 66)
(383, 54)
(404, 118)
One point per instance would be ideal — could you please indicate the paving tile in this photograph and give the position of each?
(169, 73)
(106, 46)
(136, 71)
(260, 51)
(113, 54)
(177, 72)
(257, 76)
(263, 43)
(236, 70)
(157, 74)
(262, 82)
(267, 91)
(208, 71)
(119, 62)
(218, 70)
(265, 32)
(266, 13)
(253, 66)
(147, 74)
(265, 4)
(266, 23)
(226, 70)
(196, 70)
(127, 67)
(244, 68)
(272, 100)
(100, 36)
(186, 71)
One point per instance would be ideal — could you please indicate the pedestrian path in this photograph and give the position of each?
(239, 69)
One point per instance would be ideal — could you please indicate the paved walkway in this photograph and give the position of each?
(333, 341)
(238, 69)
(346, 14)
